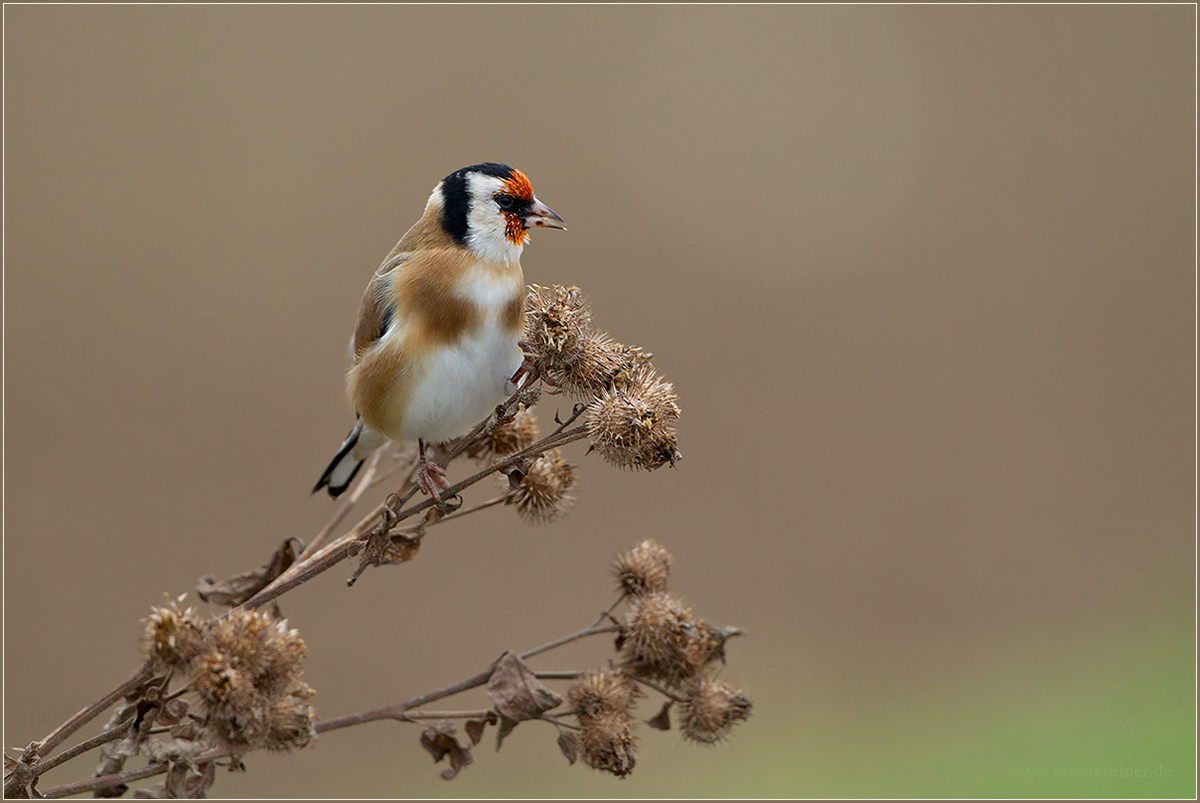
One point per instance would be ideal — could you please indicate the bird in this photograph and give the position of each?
(437, 342)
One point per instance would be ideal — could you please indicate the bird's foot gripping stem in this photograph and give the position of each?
(430, 476)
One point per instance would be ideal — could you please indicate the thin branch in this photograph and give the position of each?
(571, 674)
(83, 747)
(458, 514)
(64, 731)
(659, 689)
(447, 714)
(365, 482)
(104, 781)
(541, 447)
(587, 631)
(400, 710)
(339, 550)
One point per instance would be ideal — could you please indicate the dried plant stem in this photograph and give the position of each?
(64, 731)
(570, 674)
(458, 514)
(336, 552)
(356, 493)
(399, 710)
(587, 631)
(104, 781)
(665, 692)
(447, 714)
(81, 748)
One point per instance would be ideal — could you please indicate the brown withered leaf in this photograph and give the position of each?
(474, 727)
(440, 741)
(506, 727)
(568, 743)
(241, 587)
(183, 782)
(662, 720)
(516, 692)
(383, 550)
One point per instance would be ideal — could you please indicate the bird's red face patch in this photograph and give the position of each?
(518, 186)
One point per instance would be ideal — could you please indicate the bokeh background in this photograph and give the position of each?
(923, 277)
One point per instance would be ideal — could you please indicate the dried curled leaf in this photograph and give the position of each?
(568, 743)
(241, 587)
(475, 727)
(516, 692)
(183, 782)
(662, 720)
(440, 741)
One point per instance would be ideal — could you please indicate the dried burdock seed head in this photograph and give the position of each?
(601, 364)
(224, 685)
(710, 709)
(247, 679)
(511, 436)
(643, 569)
(606, 743)
(604, 691)
(265, 648)
(543, 494)
(709, 645)
(291, 721)
(557, 322)
(634, 426)
(172, 635)
(656, 638)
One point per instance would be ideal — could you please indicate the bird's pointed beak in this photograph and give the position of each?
(543, 216)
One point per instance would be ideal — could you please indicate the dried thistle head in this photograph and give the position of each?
(225, 687)
(266, 648)
(656, 638)
(544, 493)
(603, 691)
(633, 426)
(606, 742)
(511, 436)
(173, 635)
(644, 569)
(291, 721)
(601, 364)
(557, 322)
(710, 708)
(709, 644)
(248, 682)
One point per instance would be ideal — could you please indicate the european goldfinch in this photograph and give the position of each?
(436, 347)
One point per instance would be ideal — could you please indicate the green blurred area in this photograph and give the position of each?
(1092, 706)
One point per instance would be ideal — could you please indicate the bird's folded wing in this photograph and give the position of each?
(378, 309)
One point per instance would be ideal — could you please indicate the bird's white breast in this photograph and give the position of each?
(464, 381)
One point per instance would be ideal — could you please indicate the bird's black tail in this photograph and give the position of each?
(343, 467)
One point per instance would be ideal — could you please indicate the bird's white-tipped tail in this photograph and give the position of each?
(345, 464)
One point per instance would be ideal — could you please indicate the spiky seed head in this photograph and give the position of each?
(710, 708)
(173, 635)
(291, 721)
(656, 636)
(644, 569)
(557, 322)
(634, 426)
(512, 436)
(606, 742)
(544, 493)
(600, 364)
(603, 691)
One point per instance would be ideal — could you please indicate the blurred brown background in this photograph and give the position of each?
(923, 278)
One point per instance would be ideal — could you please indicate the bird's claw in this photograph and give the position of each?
(430, 478)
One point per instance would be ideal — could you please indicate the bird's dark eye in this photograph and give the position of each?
(506, 202)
